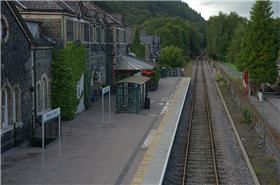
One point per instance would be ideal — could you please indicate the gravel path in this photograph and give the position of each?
(235, 168)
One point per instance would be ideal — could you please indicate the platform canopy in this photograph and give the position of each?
(132, 63)
(134, 79)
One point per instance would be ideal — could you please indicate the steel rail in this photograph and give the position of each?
(209, 125)
(190, 124)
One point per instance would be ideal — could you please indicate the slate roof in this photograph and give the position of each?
(34, 42)
(108, 17)
(132, 63)
(135, 79)
(149, 39)
(43, 5)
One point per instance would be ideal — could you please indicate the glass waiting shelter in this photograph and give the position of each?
(131, 93)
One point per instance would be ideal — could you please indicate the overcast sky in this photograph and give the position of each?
(208, 8)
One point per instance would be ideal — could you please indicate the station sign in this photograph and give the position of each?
(106, 89)
(50, 115)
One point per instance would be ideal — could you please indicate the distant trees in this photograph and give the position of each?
(220, 31)
(171, 56)
(177, 32)
(136, 12)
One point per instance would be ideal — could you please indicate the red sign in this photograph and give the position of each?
(245, 79)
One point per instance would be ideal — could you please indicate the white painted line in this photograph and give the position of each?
(164, 109)
(173, 135)
(243, 150)
(148, 139)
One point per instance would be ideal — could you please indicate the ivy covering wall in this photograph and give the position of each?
(67, 67)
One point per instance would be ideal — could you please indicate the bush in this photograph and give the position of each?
(259, 171)
(171, 57)
(67, 67)
(218, 78)
(246, 115)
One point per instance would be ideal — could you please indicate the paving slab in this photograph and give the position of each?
(90, 152)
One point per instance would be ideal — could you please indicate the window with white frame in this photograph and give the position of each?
(4, 109)
(82, 31)
(94, 34)
(102, 75)
(38, 97)
(45, 94)
(11, 106)
(17, 104)
(4, 29)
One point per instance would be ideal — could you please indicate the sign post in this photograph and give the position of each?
(55, 113)
(106, 90)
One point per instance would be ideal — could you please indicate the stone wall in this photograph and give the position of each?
(16, 68)
(50, 27)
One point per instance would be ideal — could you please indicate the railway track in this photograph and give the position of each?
(200, 166)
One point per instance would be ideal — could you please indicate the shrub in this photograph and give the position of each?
(171, 57)
(67, 67)
(246, 115)
(259, 171)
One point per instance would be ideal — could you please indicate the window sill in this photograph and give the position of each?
(6, 129)
(11, 127)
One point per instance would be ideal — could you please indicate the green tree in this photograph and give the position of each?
(171, 56)
(234, 47)
(177, 32)
(259, 50)
(137, 47)
(220, 30)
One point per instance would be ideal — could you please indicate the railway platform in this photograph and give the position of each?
(92, 152)
(154, 163)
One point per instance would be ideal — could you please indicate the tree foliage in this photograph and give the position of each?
(234, 48)
(136, 47)
(176, 32)
(136, 12)
(171, 56)
(220, 30)
(67, 67)
(259, 49)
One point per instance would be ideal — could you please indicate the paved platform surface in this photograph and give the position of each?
(90, 152)
(153, 166)
(269, 109)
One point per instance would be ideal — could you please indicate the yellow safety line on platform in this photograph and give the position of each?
(140, 174)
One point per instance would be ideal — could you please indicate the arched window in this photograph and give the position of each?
(10, 104)
(45, 94)
(38, 97)
(17, 104)
(4, 109)
(4, 29)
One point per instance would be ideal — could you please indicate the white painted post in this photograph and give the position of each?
(103, 108)
(43, 135)
(109, 104)
(59, 128)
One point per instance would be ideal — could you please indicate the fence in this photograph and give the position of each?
(272, 142)
(171, 72)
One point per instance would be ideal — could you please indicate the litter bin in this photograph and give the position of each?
(147, 103)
